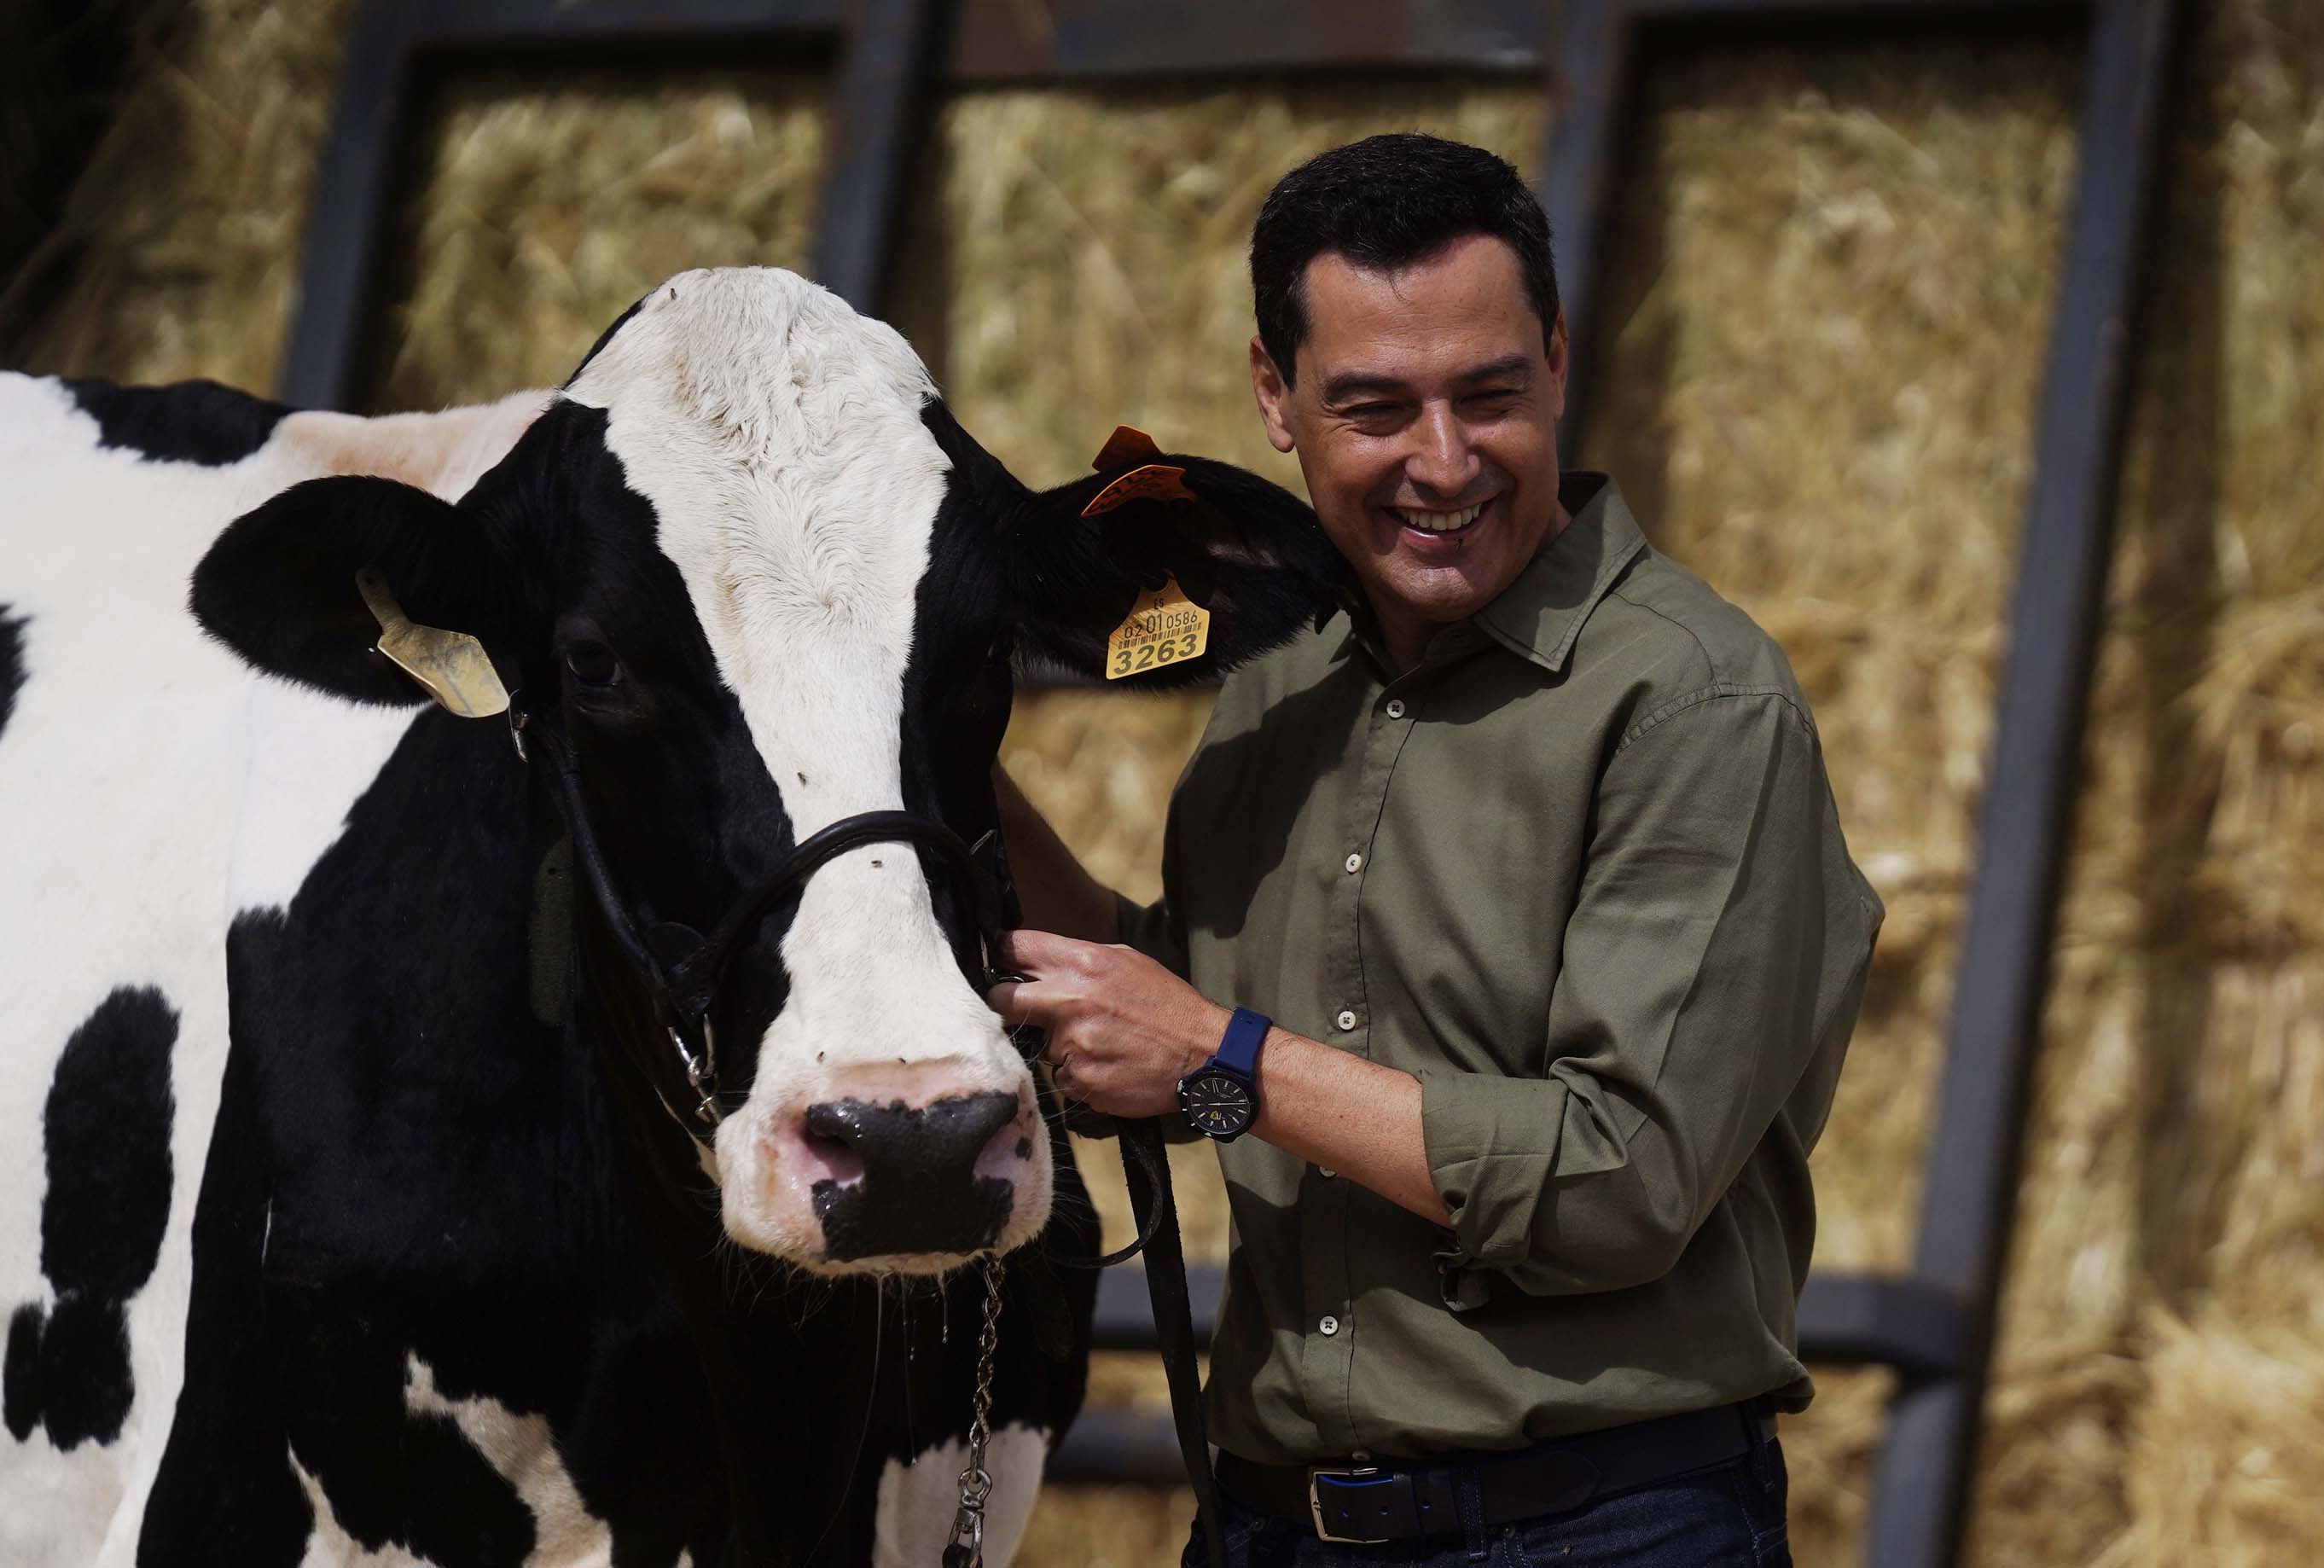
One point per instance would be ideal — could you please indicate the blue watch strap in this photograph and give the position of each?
(1238, 1050)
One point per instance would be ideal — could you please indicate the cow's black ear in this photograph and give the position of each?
(279, 586)
(1078, 559)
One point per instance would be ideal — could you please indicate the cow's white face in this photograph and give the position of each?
(768, 582)
(778, 438)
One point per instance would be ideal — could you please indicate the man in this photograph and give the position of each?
(1529, 882)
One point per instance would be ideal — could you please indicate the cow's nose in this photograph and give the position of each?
(914, 1178)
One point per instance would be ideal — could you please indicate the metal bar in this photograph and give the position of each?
(1590, 83)
(534, 23)
(1844, 1320)
(1118, 1445)
(1125, 1317)
(1661, 11)
(354, 187)
(1871, 1320)
(1969, 1208)
(883, 83)
(1005, 41)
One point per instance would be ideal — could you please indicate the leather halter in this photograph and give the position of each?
(684, 970)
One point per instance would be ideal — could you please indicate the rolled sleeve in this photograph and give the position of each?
(1718, 944)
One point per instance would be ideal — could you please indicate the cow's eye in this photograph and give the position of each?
(593, 663)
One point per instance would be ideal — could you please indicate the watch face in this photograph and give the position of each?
(1219, 1104)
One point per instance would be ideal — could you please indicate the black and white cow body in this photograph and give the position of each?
(338, 1221)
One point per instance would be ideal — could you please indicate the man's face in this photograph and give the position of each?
(1426, 422)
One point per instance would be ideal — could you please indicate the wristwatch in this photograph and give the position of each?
(1220, 1097)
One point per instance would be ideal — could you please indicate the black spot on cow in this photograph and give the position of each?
(12, 664)
(106, 1129)
(187, 422)
(435, 1188)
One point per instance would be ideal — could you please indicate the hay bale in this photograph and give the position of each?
(1828, 307)
(188, 222)
(546, 209)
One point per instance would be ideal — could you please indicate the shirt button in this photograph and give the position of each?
(1326, 1172)
(1329, 1326)
(1347, 1018)
(1396, 708)
(1354, 863)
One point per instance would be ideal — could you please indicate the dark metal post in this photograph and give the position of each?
(353, 192)
(1921, 1508)
(884, 78)
(1589, 84)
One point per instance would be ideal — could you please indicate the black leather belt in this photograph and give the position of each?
(1389, 1499)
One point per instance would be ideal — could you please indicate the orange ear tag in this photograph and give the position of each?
(1163, 627)
(1127, 444)
(1154, 481)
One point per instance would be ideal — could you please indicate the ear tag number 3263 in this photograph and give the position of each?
(1163, 627)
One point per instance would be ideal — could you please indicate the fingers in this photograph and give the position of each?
(1030, 1002)
(1032, 952)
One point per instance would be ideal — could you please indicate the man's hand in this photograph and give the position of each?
(1123, 1029)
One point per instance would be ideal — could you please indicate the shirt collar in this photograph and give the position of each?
(1539, 615)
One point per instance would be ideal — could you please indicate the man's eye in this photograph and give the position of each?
(593, 664)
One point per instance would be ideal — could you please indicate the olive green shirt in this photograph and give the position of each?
(1581, 872)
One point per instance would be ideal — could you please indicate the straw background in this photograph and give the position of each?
(1827, 312)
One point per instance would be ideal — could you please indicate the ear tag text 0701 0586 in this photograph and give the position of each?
(450, 665)
(1163, 627)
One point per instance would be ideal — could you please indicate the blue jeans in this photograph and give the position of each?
(1728, 1515)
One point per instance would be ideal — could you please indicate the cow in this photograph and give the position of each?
(355, 1203)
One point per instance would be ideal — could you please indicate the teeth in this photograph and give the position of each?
(1440, 521)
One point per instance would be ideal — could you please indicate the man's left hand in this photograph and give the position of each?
(1123, 1029)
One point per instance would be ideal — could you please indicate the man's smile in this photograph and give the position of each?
(1439, 531)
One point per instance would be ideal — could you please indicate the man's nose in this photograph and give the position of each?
(1442, 461)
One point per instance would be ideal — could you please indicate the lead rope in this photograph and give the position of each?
(967, 1548)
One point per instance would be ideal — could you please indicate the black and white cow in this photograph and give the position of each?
(338, 1223)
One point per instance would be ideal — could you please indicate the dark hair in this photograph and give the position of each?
(1384, 203)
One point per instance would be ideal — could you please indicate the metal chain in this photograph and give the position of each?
(966, 1548)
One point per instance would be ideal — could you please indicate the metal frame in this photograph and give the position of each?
(400, 48)
(1933, 1325)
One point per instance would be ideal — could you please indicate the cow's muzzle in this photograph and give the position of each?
(903, 1179)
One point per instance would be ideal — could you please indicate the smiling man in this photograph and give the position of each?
(1509, 947)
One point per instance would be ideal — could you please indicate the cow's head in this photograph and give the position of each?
(751, 567)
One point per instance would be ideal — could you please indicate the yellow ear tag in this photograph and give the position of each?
(1164, 627)
(450, 665)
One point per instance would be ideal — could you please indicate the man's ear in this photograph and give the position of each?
(1078, 559)
(280, 585)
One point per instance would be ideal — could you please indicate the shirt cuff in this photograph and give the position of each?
(1484, 1136)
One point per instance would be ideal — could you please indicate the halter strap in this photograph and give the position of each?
(685, 989)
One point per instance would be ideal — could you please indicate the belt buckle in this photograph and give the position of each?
(1315, 1504)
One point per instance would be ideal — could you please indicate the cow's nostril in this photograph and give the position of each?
(839, 1121)
(980, 1116)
